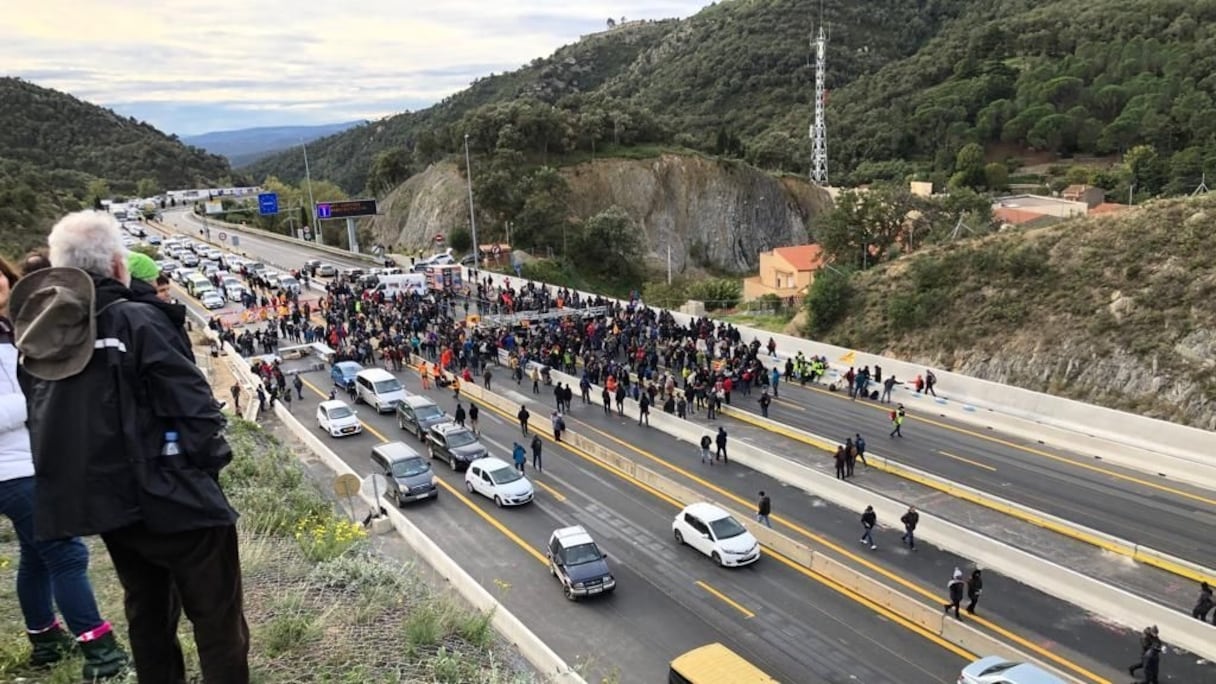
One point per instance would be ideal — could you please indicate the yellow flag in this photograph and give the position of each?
(849, 358)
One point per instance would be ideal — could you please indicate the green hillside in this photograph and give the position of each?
(57, 153)
(911, 83)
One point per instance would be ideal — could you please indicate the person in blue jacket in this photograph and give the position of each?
(520, 455)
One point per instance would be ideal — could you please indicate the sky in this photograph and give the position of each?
(190, 67)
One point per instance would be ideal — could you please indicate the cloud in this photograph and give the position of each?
(190, 66)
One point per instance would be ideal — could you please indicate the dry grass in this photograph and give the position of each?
(353, 617)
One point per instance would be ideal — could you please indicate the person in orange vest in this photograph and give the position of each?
(610, 384)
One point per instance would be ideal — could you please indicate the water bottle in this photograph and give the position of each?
(171, 447)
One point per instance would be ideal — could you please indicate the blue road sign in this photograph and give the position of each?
(268, 203)
(323, 210)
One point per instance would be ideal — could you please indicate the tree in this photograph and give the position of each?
(388, 170)
(460, 239)
(610, 247)
(863, 226)
(97, 190)
(827, 301)
(969, 167)
(147, 187)
(1148, 170)
(996, 176)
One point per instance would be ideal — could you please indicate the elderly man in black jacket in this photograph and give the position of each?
(127, 445)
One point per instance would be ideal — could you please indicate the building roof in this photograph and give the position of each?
(1015, 216)
(802, 257)
(1109, 208)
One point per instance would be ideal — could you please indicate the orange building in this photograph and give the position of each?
(785, 272)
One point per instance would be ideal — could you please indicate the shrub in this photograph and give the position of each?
(324, 537)
(717, 293)
(828, 300)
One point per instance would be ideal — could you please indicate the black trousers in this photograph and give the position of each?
(199, 571)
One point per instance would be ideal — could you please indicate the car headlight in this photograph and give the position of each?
(434, 481)
(578, 585)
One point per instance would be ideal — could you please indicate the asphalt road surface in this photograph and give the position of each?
(669, 599)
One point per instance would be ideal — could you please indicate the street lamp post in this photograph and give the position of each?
(472, 217)
(312, 205)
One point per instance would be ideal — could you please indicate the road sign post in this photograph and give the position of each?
(349, 210)
(351, 236)
(268, 204)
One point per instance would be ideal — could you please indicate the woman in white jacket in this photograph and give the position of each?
(50, 573)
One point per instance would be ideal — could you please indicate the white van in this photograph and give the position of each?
(379, 389)
(407, 283)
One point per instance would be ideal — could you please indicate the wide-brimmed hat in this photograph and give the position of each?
(53, 323)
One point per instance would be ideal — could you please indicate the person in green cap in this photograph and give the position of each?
(145, 277)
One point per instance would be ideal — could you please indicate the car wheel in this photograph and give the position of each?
(497, 501)
(469, 486)
(400, 503)
(716, 559)
(569, 592)
(679, 537)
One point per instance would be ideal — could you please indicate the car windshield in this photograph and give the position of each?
(340, 412)
(384, 386)
(410, 467)
(349, 371)
(998, 668)
(583, 553)
(505, 475)
(428, 411)
(460, 438)
(288, 282)
(726, 528)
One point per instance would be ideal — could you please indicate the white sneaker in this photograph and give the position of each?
(873, 547)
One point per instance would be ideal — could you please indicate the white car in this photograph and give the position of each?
(338, 419)
(715, 533)
(498, 480)
(997, 670)
(212, 299)
(235, 293)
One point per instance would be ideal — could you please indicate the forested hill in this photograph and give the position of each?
(56, 151)
(911, 83)
(712, 82)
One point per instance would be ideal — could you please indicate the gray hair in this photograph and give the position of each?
(88, 240)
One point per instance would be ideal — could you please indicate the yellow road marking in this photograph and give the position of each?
(801, 569)
(1039, 452)
(790, 404)
(726, 599)
(932, 596)
(1129, 550)
(460, 496)
(556, 494)
(977, 464)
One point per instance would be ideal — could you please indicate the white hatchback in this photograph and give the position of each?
(715, 533)
(338, 419)
(496, 479)
(997, 670)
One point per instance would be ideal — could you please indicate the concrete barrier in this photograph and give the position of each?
(1085, 592)
(914, 611)
(1117, 436)
(547, 662)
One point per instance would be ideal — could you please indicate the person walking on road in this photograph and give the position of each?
(763, 509)
(460, 414)
(910, 520)
(868, 520)
(559, 425)
(721, 443)
(887, 386)
(897, 420)
(644, 409)
(1204, 604)
(299, 385)
(975, 587)
(519, 456)
(765, 400)
(850, 457)
(486, 378)
(861, 449)
(1150, 655)
(706, 441)
(955, 590)
(930, 381)
(474, 412)
(840, 460)
(523, 416)
(606, 396)
(537, 447)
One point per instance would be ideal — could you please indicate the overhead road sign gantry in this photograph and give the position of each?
(346, 209)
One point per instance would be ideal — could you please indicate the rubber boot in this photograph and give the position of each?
(103, 657)
(50, 646)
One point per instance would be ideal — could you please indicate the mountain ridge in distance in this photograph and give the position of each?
(245, 145)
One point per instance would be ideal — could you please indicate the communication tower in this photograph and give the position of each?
(819, 129)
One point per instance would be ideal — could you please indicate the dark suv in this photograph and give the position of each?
(408, 475)
(454, 444)
(578, 563)
(417, 414)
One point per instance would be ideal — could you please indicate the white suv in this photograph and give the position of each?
(495, 479)
(715, 533)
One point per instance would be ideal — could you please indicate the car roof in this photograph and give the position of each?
(397, 451)
(444, 428)
(491, 463)
(1020, 673)
(348, 365)
(573, 536)
(418, 400)
(376, 374)
(706, 511)
(333, 403)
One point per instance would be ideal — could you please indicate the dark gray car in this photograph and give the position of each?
(408, 474)
(417, 414)
(456, 445)
(576, 561)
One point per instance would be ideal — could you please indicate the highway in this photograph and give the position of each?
(669, 598)
(1165, 515)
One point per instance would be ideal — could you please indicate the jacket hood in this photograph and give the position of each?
(146, 293)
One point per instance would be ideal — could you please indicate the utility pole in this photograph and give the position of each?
(472, 217)
(819, 128)
(312, 205)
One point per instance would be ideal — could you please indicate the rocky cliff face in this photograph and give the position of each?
(712, 213)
